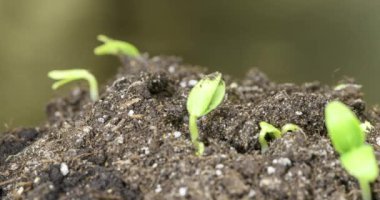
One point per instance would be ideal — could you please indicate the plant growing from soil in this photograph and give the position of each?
(115, 47)
(290, 128)
(204, 97)
(268, 131)
(66, 76)
(348, 139)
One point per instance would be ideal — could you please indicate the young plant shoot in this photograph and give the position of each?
(268, 131)
(348, 139)
(115, 47)
(205, 96)
(66, 76)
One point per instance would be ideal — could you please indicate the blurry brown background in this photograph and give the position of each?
(292, 41)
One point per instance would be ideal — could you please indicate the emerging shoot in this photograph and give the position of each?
(115, 47)
(66, 76)
(267, 130)
(348, 139)
(290, 128)
(205, 96)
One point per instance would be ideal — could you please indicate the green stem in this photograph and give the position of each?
(94, 93)
(366, 190)
(194, 135)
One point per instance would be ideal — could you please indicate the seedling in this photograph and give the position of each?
(290, 128)
(66, 76)
(205, 96)
(268, 131)
(348, 139)
(115, 47)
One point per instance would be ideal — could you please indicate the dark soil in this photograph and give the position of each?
(134, 142)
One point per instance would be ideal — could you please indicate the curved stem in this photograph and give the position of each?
(94, 93)
(366, 190)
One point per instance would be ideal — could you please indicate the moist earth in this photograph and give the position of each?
(134, 142)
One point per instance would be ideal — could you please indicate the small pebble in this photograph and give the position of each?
(193, 82)
(171, 69)
(219, 166)
(378, 141)
(218, 172)
(183, 84)
(101, 120)
(271, 170)
(177, 134)
(299, 113)
(64, 169)
(131, 112)
(183, 191)
(158, 189)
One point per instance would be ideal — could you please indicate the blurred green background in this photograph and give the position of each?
(292, 41)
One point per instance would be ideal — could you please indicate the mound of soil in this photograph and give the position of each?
(134, 142)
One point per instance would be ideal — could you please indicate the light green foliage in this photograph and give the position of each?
(204, 97)
(66, 76)
(343, 127)
(268, 130)
(348, 139)
(290, 128)
(271, 131)
(115, 47)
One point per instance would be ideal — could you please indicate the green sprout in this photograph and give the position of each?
(348, 139)
(115, 47)
(66, 76)
(290, 128)
(268, 131)
(205, 96)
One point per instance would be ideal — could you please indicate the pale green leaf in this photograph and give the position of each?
(343, 127)
(202, 95)
(361, 163)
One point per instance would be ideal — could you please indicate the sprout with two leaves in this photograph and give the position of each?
(348, 139)
(66, 76)
(205, 96)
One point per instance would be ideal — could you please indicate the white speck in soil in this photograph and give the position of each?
(87, 129)
(299, 113)
(183, 84)
(183, 191)
(20, 190)
(131, 112)
(378, 141)
(158, 188)
(37, 180)
(154, 165)
(171, 69)
(120, 139)
(271, 170)
(218, 172)
(251, 193)
(233, 85)
(282, 161)
(177, 134)
(219, 166)
(101, 120)
(145, 150)
(64, 169)
(192, 82)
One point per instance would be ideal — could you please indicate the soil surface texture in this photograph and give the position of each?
(134, 142)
